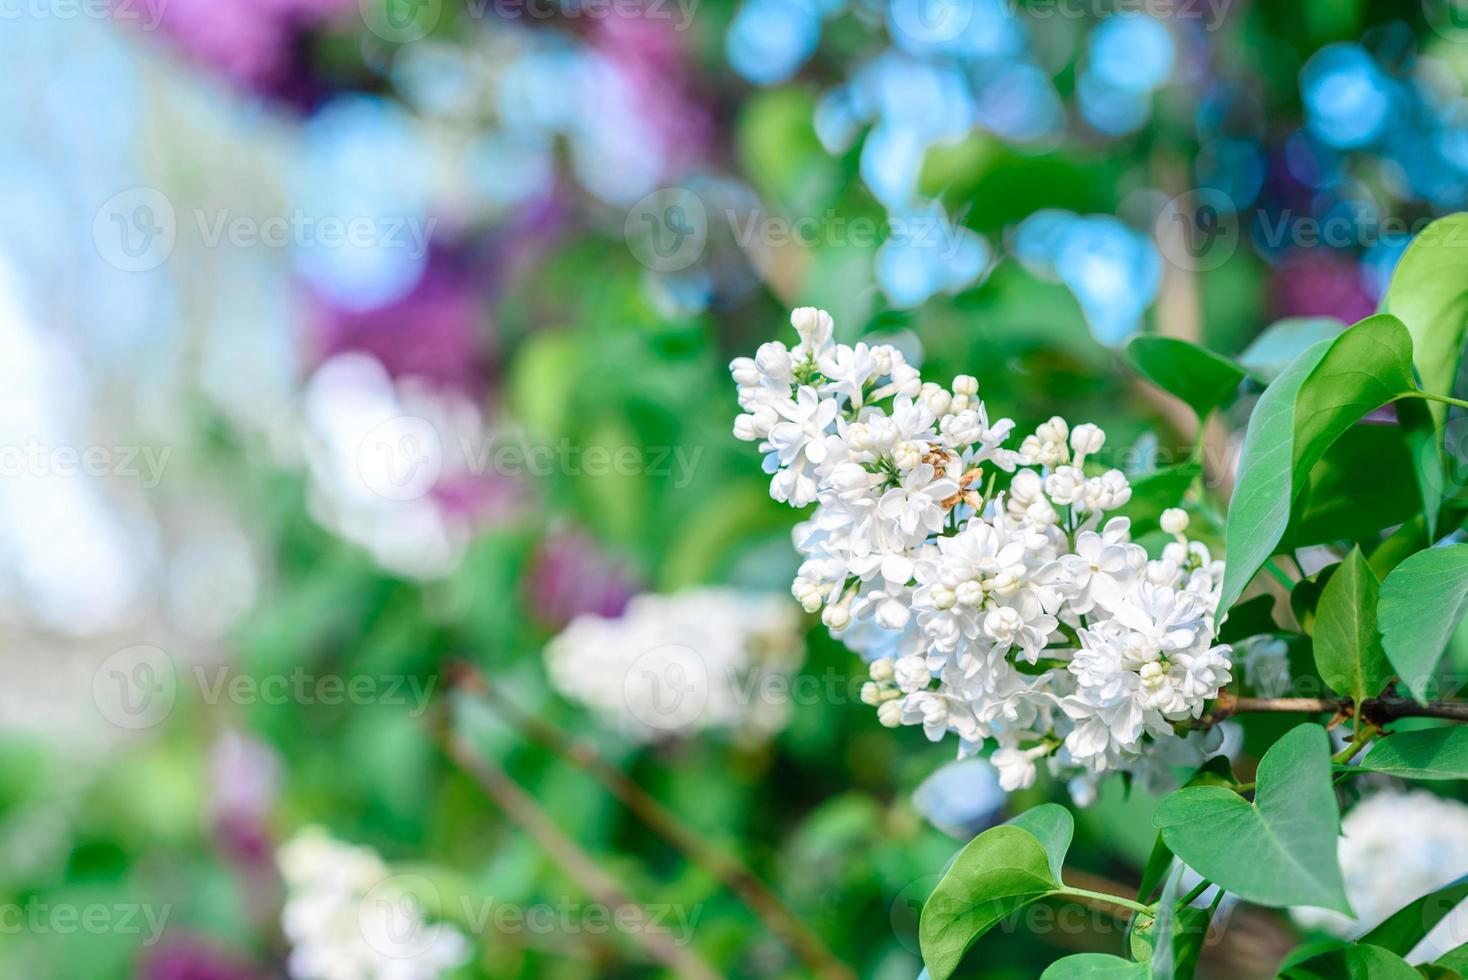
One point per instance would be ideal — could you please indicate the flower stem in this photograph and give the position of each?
(1198, 889)
(1125, 903)
(1430, 396)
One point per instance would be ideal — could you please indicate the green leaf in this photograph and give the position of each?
(1422, 601)
(1431, 753)
(1002, 869)
(1283, 341)
(1348, 650)
(1189, 930)
(1405, 928)
(1158, 863)
(1358, 962)
(1053, 826)
(1198, 376)
(1279, 850)
(1095, 966)
(1429, 294)
(1249, 618)
(1436, 971)
(1455, 959)
(1325, 391)
(1337, 505)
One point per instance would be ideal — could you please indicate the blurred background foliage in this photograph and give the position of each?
(1012, 190)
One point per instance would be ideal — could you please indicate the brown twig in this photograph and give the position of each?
(729, 870)
(1376, 711)
(520, 807)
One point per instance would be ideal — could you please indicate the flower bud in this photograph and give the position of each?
(814, 326)
(936, 399)
(1174, 520)
(969, 593)
(881, 670)
(745, 372)
(966, 384)
(1086, 439)
(837, 616)
(889, 713)
(908, 454)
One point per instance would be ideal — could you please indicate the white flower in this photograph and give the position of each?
(1066, 485)
(847, 371)
(916, 503)
(1086, 439)
(1017, 766)
(1008, 617)
(1394, 848)
(675, 664)
(348, 918)
(815, 328)
(798, 445)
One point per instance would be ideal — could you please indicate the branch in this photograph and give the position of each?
(729, 870)
(1376, 711)
(520, 807)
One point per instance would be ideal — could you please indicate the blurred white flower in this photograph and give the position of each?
(709, 658)
(1396, 847)
(348, 917)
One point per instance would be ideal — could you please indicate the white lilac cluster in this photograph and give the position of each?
(1396, 847)
(348, 918)
(987, 584)
(707, 658)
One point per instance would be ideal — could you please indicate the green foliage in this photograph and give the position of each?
(1154, 492)
(1323, 392)
(1095, 966)
(1409, 925)
(1422, 602)
(1429, 294)
(1279, 850)
(1001, 870)
(1351, 962)
(1202, 379)
(1431, 753)
(1348, 650)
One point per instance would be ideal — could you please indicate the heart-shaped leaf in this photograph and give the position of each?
(1053, 827)
(1432, 753)
(1429, 294)
(1405, 928)
(1201, 378)
(1095, 966)
(1279, 850)
(1325, 391)
(1283, 340)
(1002, 869)
(1348, 650)
(1354, 962)
(1422, 601)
